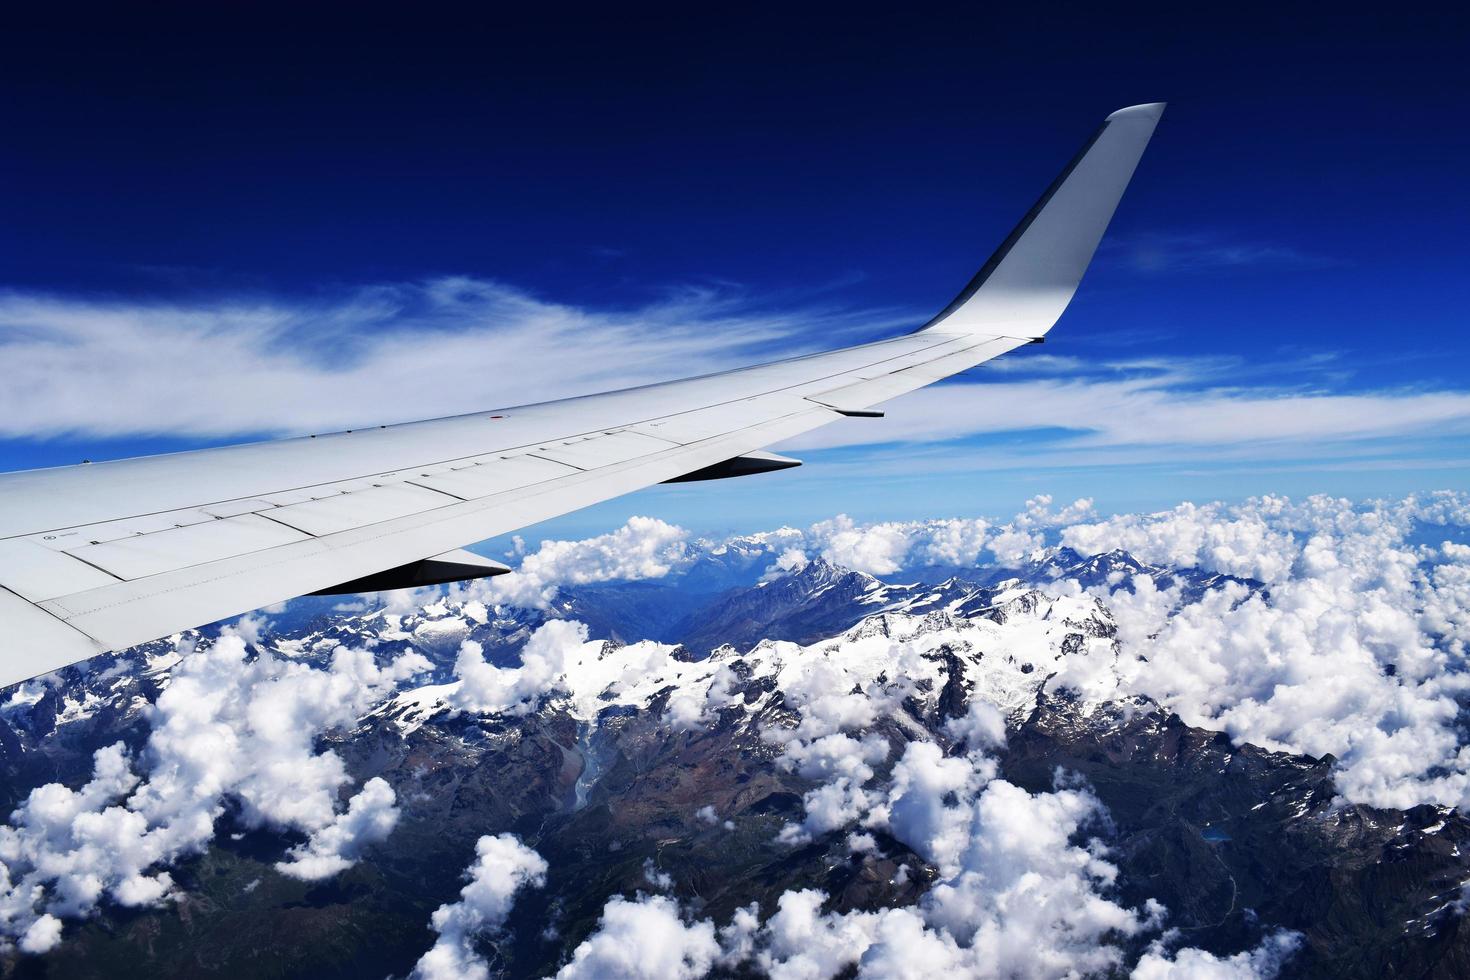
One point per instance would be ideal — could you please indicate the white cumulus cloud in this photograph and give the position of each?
(643, 548)
(644, 939)
(886, 547)
(1356, 649)
(486, 688)
(227, 726)
(1265, 961)
(503, 866)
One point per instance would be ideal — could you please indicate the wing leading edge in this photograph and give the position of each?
(104, 556)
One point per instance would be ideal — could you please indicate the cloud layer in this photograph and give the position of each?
(378, 354)
(259, 365)
(643, 548)
(1131, 412)
(1357, 648)
(886, 547)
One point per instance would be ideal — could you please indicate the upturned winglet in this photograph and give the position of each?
(1024, 287)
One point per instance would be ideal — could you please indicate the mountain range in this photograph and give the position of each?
(689, 746)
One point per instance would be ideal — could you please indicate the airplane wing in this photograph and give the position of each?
(102, 556)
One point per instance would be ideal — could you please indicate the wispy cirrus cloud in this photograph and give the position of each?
(374, 354)
(1199, 251)
(1148, 411)
(246, 366)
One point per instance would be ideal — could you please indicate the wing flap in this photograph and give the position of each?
(129, 527)
(149, 554)
(948, 346)
(872, 391)
(35, 572)
(358, 508)
(705, 423)
(37, 642)
(602, 449)
(494, 476)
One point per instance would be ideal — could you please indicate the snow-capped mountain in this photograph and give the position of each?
(809, 731)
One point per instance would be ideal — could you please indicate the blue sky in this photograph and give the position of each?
(240, 223)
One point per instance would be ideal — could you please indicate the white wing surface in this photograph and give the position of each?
(103, 556)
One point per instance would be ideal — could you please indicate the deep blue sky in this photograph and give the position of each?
(1304, 199)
